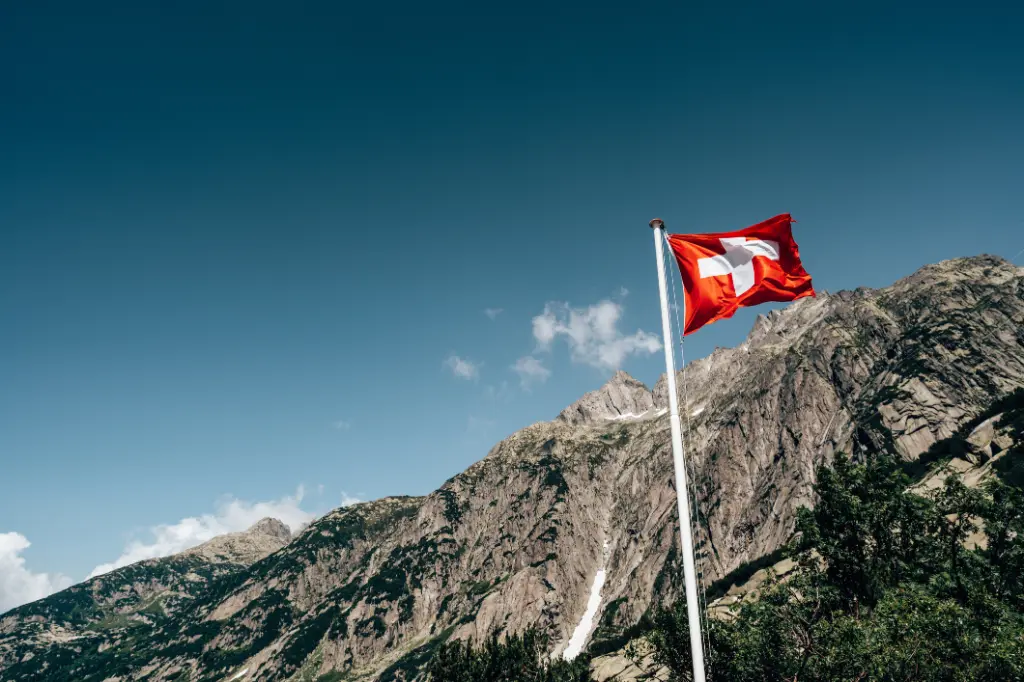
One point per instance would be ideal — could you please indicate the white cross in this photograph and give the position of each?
(738, 261)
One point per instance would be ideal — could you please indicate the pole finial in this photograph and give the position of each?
(657, 224)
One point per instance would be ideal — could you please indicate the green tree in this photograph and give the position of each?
(887, 589)
(866, 530)
(1003, 513)
(517, 658)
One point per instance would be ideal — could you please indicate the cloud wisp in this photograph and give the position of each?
(499, 393)
(592, 334)
(463, 368)
(531, 371)
(348, 500)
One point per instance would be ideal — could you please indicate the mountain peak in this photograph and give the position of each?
(622, 397)
(272, 527)
(264, 537)
(622, 378)
(982, 269)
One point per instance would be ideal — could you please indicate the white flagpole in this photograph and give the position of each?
(682, 494)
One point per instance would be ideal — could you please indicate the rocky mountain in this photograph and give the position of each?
(623, 397)
(987, 447)
(520, 538)
(246, 548)
(97, 612)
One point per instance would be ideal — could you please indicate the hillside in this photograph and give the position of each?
(517, 539)
(103, 610)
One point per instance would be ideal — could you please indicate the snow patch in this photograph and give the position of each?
(586, 624)
(699, 410)
(633, 415)
(239, 674)
(627, 415)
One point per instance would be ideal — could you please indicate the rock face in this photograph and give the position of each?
(989, 439)
(517, 539)
(893, 369)
(623, 397)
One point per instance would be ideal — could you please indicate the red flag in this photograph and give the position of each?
(728, 270)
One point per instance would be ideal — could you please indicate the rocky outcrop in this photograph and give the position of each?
(247, 547)
(518, 538)
(623, 397)
(991, 438)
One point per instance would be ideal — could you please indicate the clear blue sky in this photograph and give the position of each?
(228, 226)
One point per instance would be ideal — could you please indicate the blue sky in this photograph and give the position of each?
(242, 241)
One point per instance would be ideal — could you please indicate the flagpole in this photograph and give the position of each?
(682, 494)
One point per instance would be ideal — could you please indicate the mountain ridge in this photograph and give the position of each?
(518, 538)
(143, 592)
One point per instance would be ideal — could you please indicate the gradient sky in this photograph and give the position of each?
(241, 240)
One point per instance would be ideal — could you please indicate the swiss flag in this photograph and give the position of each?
(728, 270)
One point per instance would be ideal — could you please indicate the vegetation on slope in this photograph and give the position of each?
(887, 589)
(519, 658)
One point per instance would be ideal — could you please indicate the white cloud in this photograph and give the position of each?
(545, 327)
(232, 515)
(348, 500)
(592, 333)
(531, 371)
(493, 312)
(462, 368)
(18, 584)
(342, 425)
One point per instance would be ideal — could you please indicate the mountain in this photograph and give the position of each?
(263, 538)
(368, 592)
(100, 611)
